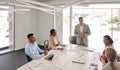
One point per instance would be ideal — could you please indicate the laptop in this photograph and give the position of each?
(49, 57)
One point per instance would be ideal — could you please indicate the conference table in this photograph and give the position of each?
(72, 57)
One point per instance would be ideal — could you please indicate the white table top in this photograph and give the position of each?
(62, 60)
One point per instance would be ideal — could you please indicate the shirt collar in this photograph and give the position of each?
(82, 24)
(32, 43)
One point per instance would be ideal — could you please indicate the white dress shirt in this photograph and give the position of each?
(81, 28)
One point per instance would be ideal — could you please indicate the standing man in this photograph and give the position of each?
(82, 31)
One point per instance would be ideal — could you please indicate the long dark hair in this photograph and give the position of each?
(52, 31)
(109, 39)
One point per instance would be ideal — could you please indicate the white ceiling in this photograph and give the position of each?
(49, 5)
(71, 1)
(76, 2)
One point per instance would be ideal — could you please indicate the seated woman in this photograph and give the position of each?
(108, 43)
(112, 64)
(54, 40)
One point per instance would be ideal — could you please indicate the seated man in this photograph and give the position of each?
(54, 40)
(32, 49)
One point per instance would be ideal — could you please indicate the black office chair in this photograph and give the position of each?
(72, 40)
(46, 43)
(118, 56)
(41, 47)
(28, 58)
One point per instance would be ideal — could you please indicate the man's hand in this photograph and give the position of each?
(57, 45)
(95, 69)
(45, 52)
(60, 49)
(82, 35)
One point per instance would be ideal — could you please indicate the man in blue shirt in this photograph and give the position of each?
(32, 49)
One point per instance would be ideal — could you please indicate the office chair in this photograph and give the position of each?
(28, 58)
(41, 47)
(118, 57)
(46, 43)
(72, 40)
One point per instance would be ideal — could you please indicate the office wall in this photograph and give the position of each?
(25, 23)
(45, 23)
(34, 21)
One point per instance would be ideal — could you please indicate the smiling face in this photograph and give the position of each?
(106, 41)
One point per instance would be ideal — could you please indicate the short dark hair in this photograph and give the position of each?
(29, 35)
(80, 18)
(52, 31)
(109, 38)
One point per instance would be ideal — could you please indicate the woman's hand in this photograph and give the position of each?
(57, 45)
(102, 60)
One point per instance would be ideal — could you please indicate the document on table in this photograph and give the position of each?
(91, 67)
(88, 49)
(59, 47)
(24, 68)
(95, 61)
(61, 59)
(41, 66)
(44, 66)
(79, 59)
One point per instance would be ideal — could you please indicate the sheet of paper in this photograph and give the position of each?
(91, 67)
(88, 49)
(24, 68)
(59, 47)
(61, 59)
(41, 66)
(79, 59)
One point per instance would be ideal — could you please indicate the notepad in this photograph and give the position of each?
(79, 59)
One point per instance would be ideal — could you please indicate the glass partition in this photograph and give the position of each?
(103, 19)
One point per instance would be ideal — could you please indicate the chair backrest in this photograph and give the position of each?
(72, 39)
(41, 47)
(118, 57)
(46, 43)
(28, 58)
